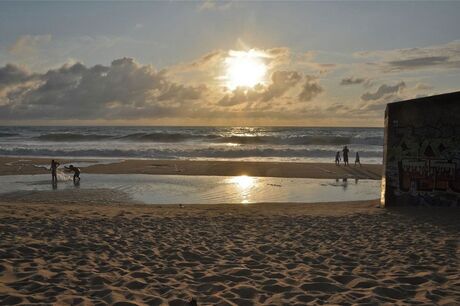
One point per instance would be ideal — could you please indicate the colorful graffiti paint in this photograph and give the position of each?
(422, 152)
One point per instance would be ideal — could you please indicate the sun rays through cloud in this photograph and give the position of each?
(245, 69)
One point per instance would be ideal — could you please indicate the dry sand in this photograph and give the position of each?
(12, 166)
(263, 254)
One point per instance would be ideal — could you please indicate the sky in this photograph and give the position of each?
(222, 62)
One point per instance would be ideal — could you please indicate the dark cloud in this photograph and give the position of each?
(419, 62)
(123, 89)
(445, 56)
(383, 91)
(12, 74)
(310, 89)
(352, 81)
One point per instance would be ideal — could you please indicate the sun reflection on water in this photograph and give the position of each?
(244, 185)
(243, 181)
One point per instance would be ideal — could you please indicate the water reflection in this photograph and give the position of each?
(173, 189)
(244, 185)
(243, 181)
(345, 183)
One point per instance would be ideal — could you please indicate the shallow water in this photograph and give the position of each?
(78, 163)
(177, 189)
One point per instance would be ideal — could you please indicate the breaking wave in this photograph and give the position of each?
(213, 138)
(177, 154)
(256, 143)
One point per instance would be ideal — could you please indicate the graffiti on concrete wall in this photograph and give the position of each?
(422, 151)
(424, 162)
(429, 175)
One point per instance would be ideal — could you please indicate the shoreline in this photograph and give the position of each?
(25, 165)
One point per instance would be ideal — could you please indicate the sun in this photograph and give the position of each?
(245, 69)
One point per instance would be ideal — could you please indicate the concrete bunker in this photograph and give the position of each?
(421, 156)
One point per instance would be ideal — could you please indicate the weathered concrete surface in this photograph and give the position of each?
(422, 152)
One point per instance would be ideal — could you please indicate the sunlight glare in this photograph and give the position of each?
(243, 181)
(245, 69)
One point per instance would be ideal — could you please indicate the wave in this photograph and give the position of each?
(164, 137)
(63, 137)
(177, 154)
(213, 138)
(371, 140)
(295, 140)
(8, 134)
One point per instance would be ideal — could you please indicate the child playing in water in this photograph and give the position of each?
(76, 172)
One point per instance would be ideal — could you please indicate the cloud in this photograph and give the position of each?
(28, 43)
(13, 74)
(205, 62)
(281, 82)
(307, 59)
(444, 56)
(310, 89)
(383, 90)
(129, 91)
(352, 81)
(418, 62)
(211, 68)
(124, 89)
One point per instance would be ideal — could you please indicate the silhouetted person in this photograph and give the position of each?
(345, 155)
(337, 158)
(357, 161)
(76, 172)
(54, 166)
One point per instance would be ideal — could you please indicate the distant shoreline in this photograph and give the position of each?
(26, 165)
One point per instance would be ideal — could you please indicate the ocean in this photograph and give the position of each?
(299, 144)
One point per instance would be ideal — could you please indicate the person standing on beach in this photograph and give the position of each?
(345, 155)
(357, 161)
(337, 158)
(54, 166)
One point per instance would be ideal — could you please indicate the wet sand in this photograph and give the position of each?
(11, 166)
(259, 254)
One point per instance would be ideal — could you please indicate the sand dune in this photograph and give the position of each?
(272, 254)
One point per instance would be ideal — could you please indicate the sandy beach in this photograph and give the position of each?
(263, 254)
(97, 247)
(15, 165)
